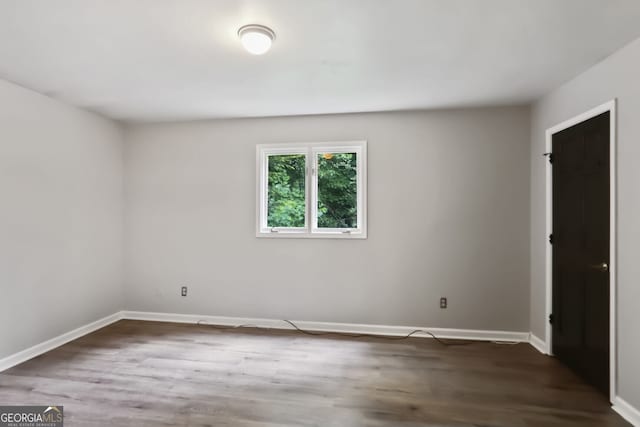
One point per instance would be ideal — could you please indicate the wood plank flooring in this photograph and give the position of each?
(135, 373)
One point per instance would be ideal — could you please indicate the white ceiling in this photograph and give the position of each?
(151, 60)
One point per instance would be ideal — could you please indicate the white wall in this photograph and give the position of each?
(61, 198)
(616, 77)
(448, 216)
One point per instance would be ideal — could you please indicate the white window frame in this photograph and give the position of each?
(311, 150)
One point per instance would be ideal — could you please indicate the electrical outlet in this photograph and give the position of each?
(183, 291)
(443, 302)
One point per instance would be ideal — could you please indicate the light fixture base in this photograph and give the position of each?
(257, 29)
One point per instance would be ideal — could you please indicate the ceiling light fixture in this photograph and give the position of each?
(256, 39)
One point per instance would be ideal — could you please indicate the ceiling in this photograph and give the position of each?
(150, 60)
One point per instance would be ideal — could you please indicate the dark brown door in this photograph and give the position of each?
(580, 239)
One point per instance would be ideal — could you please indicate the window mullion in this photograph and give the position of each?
(311, 196)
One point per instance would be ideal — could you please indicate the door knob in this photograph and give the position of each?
(603, 266)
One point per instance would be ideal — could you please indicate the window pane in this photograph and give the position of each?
(286, 192)
(337, 190)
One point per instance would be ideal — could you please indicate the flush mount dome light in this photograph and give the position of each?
(257, 39)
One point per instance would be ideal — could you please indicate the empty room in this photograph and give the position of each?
(331, 213)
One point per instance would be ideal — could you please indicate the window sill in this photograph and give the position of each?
(307, 235)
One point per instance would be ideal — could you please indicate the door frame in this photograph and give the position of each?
(609, 106)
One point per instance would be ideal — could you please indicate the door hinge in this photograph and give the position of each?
(549, 156)
(551, 318)
(551, 238)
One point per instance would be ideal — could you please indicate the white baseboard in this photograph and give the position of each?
(627, 411)
(538, 344)
(38, 349)
(352, 328)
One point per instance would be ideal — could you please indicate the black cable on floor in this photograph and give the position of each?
(385, 337)
(348, 335)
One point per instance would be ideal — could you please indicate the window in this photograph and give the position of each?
(312, 190)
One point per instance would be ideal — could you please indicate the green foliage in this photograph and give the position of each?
(286, 191)
(337, 190)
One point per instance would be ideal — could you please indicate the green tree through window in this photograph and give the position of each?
(337, 190)
(286, 190)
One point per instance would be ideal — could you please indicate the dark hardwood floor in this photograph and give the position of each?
(136, 373)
